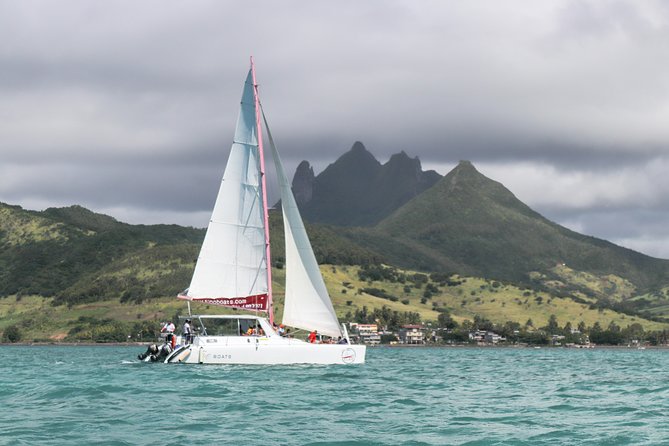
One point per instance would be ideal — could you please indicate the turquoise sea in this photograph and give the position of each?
(58, 395)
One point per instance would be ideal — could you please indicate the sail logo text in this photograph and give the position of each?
(257, 302)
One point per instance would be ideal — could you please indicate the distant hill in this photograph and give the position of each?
(473, 225)
(62, 252)
(357, 190)
(463, 222)
(77, 256)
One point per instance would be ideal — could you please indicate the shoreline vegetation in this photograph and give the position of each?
(450, 309)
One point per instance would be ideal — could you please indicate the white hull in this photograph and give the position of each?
(265, 350)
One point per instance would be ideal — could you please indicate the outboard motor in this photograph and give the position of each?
(155, 354)
(150, 352)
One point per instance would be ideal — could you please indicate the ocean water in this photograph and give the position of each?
(57, 395)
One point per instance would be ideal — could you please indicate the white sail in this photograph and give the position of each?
(232, 259)
(307, 304)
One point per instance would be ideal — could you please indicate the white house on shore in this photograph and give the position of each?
(486, 337)
(368, 333)
(412, 334)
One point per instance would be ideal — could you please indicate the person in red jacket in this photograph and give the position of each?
(312, 336)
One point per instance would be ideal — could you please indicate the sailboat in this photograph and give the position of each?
(234, 268)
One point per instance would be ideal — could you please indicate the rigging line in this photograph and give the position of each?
(263, 182)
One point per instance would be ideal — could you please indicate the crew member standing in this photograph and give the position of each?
(187, 332)
(168, 328)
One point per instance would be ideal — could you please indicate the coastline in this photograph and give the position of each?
(401, 346)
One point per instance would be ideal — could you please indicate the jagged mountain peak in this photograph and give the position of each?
(358, 155)
(463, 189)
(465, 164)
(304, 166)
(401, 156)
(358, 147)
(356, 190)
(466, 169)
(403, 159)
(303, 183)
(357, 165)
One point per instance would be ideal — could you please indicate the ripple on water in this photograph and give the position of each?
(99, 395)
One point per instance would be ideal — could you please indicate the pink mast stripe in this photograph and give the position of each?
(270, 308)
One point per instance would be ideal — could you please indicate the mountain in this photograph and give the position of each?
(463, 222)
(64, 253)
(77, 256)
(357, 190)
(470, 224)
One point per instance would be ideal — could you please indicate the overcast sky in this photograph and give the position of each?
(128, 107)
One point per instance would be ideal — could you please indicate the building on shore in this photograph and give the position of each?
(486, 337)
(412, 334)
(367, 333)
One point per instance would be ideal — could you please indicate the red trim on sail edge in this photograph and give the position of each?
(256, 303)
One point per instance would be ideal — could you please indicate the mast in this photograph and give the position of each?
(270, 306)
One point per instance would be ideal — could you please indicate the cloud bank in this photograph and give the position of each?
(128, 108)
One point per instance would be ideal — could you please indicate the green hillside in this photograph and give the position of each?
(77, 256)
(355, 291)
(473, 225)
(47, 253)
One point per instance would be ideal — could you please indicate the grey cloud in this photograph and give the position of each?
(142, 186)
(644, 230)
(106, 103)
(616, 223)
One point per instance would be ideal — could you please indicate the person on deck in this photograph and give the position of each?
(312, 336)
(168, 327)
(282, 330)
(187, 332)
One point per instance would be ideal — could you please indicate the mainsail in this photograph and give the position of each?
(307, 303)
(231, 269)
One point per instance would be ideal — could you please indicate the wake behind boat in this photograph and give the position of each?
(234, 268)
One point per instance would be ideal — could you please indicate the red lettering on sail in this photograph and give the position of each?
(257, 302)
